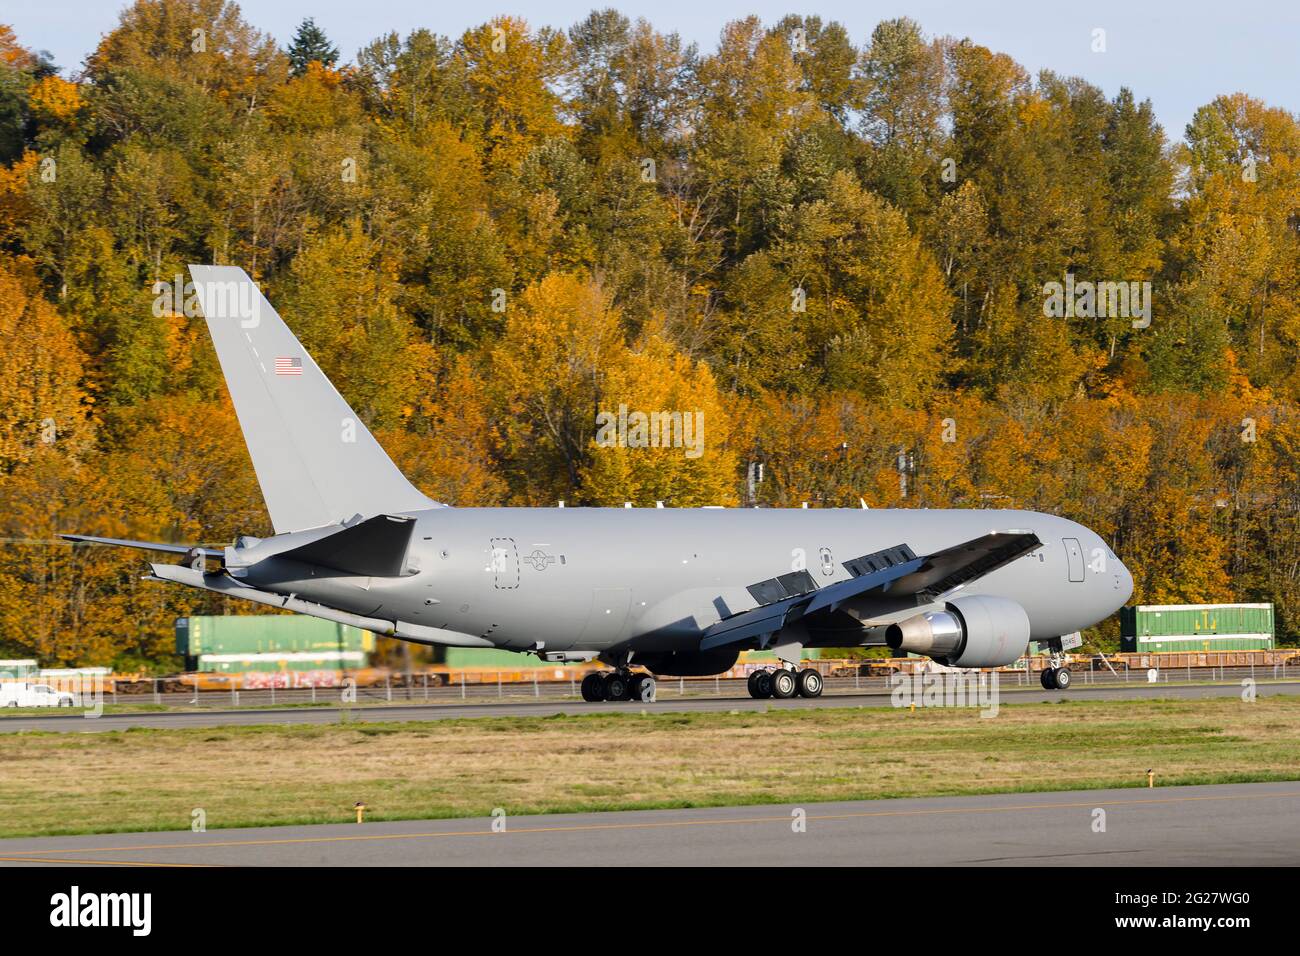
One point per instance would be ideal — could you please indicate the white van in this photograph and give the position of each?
(23, 694)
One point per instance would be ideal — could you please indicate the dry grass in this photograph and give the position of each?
(153, 779)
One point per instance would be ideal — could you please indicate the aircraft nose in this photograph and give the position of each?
(1123, 583)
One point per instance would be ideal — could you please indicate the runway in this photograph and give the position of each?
(1231, 824)
(76, 722)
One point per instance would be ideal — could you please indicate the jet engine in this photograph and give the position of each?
(974, 631)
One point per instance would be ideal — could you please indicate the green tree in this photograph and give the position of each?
(310, 45)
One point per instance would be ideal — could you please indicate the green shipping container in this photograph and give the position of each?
(488, 658)
(1196, 627)
(267, 634)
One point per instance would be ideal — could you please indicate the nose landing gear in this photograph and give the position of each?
(1056, 676)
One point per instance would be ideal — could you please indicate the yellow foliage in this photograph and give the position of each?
(55, 98)
(41, 370)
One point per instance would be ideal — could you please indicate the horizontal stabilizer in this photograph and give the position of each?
(142, 545)
(375, 547)
(223, 584)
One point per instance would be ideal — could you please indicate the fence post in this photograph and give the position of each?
(573, 690)
(388, 687)
(156, 698)
(272, 693)
(498, 683)
(681, 685)
(536, 690)
(717, 684)
(313, 693)
(234, 697)
(426, 686)
(462, 685)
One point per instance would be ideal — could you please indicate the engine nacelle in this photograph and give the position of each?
(975, 631)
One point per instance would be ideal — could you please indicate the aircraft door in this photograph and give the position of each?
(504, 562)
(1074, 558)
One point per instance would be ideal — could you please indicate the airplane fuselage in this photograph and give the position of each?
(592, 579)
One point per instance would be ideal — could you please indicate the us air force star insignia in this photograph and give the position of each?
(539, 559)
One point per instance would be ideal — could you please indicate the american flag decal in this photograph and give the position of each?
(288, 366)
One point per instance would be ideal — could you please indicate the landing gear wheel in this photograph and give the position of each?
(616, 687)
(1048, 678)
(593, 688)
(783, 684)
(643, 689)
(752, 684)
(809, 683)
(760, 684)
(1062, 678)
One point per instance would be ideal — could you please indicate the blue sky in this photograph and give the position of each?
(1180, 55)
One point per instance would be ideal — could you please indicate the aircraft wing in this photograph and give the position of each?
(894, 571)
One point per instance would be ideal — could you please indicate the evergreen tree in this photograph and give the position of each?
(310, 44)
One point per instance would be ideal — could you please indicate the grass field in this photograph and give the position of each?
(242, 776)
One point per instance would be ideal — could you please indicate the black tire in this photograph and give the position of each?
(1048, 678)
(762, 685)
(617, 687)
(809, 683)
(1062, 678)
(593, 688)
(752, 684)
(784, 684)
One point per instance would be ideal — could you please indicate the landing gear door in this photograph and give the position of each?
(504, 564)
(1074, 558)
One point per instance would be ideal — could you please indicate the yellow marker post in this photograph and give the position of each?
(361, 812)
(1151, 778)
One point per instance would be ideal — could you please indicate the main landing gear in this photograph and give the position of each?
(1056, 676)
(783, 683)
(618, 685)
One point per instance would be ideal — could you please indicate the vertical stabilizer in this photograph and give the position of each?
(316, 461)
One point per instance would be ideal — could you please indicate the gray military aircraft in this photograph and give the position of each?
(669, 591)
